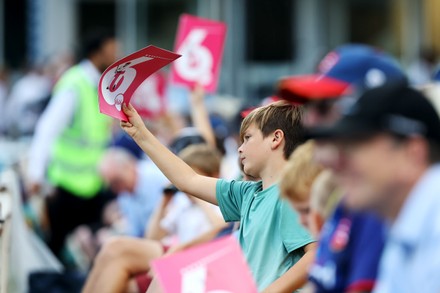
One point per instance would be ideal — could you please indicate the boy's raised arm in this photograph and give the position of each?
(177, 171)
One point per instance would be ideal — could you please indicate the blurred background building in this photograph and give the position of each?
(266, 39)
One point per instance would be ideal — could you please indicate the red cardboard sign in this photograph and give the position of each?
(119, 81)
(200, 41)
(215, 267)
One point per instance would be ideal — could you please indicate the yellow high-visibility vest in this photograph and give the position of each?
(76, 153)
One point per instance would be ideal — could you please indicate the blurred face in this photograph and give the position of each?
(328, 155)
(108, 54)
(369, 171)
(315, 222)
(253, 151)
(120, 180)
(321, 112)
(303, 210)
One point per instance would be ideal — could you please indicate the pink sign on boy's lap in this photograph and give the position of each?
(120, 80)
(216, 267)
(200, 41)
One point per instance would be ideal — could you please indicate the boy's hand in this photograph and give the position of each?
(134, 123)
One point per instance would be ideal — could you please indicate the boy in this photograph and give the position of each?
(278, 250)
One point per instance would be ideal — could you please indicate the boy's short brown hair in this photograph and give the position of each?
(202, 157)
(278, 115)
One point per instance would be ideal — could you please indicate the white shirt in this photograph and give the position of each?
(27, 91)
(137, 207)
(57, 116)
(185, 219)
(411, 260)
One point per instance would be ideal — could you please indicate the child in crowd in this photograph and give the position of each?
(325, 194)
(311, 189)
(179, 215)
(278, 249)
(297, 179)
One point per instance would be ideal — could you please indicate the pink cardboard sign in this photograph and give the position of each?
(215, 267)
(119, 81)
(200, 41)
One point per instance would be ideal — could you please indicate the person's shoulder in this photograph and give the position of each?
(242, 187)
(242, 184)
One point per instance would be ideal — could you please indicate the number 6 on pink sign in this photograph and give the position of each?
(196, 62)
(200, 42)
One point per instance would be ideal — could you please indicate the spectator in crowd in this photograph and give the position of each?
(70, 138)
(311, 189)
(389, 140)
(351, 242)
(313, 196)
(138, 185)
(278, 249)
(324, 196)
(297, 179)
(26, 101)
(178, 215)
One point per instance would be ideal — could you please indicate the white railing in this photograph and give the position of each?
(22, 251)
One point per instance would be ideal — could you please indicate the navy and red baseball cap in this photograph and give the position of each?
(347, 69)
(393, 108)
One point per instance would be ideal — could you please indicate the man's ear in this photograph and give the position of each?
(277, 138)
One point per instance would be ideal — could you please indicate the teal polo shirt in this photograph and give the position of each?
(270, 235)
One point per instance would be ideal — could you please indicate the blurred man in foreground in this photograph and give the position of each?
(389, 142)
